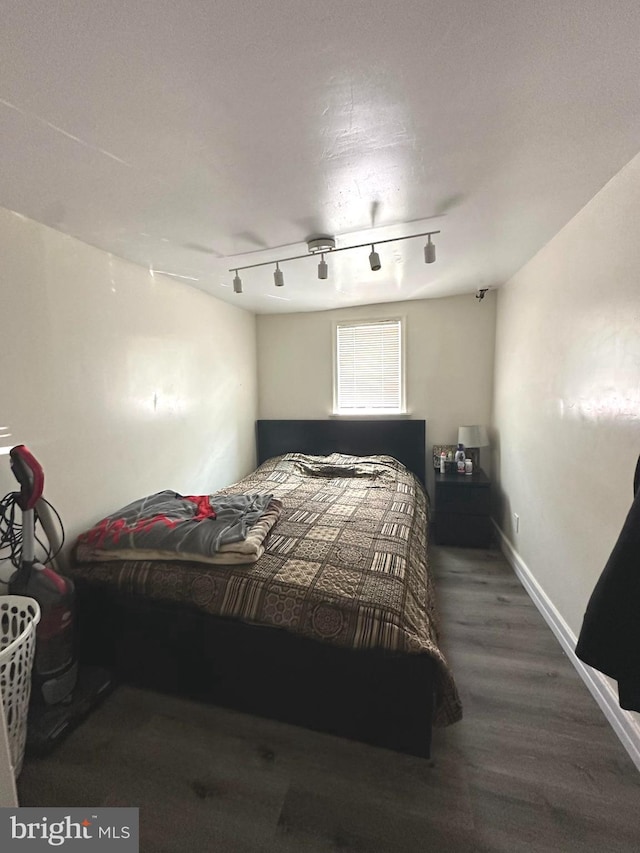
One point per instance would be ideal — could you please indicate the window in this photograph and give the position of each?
(5, 444)
(369, 368)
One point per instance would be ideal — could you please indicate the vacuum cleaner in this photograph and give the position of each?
(62, 692)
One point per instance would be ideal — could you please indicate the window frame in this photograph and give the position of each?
(372, 413)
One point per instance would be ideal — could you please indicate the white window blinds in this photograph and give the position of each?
(369, 367)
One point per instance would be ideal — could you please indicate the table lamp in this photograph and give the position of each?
(473, 438)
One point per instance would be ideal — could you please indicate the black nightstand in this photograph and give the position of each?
(462, 507)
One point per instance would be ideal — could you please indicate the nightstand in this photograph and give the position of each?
(462, 507)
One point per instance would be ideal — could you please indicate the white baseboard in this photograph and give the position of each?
(624, 723)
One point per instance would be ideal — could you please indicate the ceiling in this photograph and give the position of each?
(191, 137)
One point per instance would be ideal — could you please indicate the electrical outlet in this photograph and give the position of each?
(516, 522)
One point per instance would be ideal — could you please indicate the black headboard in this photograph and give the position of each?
(403, 439)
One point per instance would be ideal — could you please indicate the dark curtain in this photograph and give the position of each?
(610, 636)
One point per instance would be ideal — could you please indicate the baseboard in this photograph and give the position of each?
(623, 722)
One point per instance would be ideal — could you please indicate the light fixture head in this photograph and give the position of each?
(323, 269)
(277, 276)
(481, 292)
(321, 243)
(429, 251)
(374, 259)
(237, 283)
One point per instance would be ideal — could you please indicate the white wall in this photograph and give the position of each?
(567, 395)
(120, 383)
(449, 348)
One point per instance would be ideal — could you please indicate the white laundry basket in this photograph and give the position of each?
(19, 616)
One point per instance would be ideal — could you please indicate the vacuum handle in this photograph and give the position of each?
(28, 472)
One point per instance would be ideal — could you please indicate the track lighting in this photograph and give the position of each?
(429, 252)
(326, 245)
(481, 292)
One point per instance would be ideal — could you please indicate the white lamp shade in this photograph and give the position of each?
(473, 436)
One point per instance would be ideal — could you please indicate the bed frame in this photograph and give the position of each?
(377, 697)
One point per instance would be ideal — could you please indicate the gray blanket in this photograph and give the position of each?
(167, 521)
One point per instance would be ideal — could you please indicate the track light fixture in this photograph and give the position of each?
(326, 245)
(429, 251)
(481, 292)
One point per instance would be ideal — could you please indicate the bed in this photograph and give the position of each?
(333, 627)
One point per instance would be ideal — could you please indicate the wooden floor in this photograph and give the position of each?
(532, 767)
